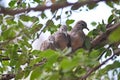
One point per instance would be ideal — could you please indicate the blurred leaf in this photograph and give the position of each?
(1, 19)
(9, 33)
(10, 22)
(54, 76)
(50, 26)
(43, 15)
(58, 17)
(75, 7)
(38, 1)
(102, 27)
(114, 36)
(110, 18)
(94, 23)
(20, 24)
(66, 64)
(25, 18)
(95, 32)
(109, 3)
(68, 22)
(92, 6)
(109, 67)
(12, 3)
(53, 1)
(36, 74)
(3, 27)
(116, 1)
(108, 53)
(87, 43)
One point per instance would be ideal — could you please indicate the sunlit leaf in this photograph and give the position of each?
(36, 74)
(114, 36)
(68, 22)
(110, 18)
(94, 23)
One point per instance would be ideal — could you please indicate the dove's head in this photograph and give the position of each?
(63, 29)
(81, 25)
(51, 39)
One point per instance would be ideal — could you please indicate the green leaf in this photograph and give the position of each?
(43, 15)
(66, 64)
(1, 19)
(75, 7)
(108, 53)
(3, 27)
(94, 54)
(38, 1)
(114, 36)
(110, 4)
(110, 18)
(95, 32)
(92, 6)
(58, 17)
(54, 76)
(36, 74)
(10, 21)
(12, 3)
(87, 43)
(94, 23)
(25, 18)
(101, 27)
(69, 21)
(9, 33)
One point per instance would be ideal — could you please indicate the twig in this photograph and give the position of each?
(117, 51)
(41, 62)
(61, 15)
(48, 23)
(103, 53)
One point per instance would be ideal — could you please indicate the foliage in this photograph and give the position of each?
(18, 57)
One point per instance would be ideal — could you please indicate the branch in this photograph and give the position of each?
(43, 7)
(117, 51)
(7, 76)
(100, 38)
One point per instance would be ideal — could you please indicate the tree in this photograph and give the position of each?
(18, 60)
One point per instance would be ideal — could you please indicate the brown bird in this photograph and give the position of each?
(77, 35)
(48, 44)
(62, 39)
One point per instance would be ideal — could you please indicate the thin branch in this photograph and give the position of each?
(117, 51)
(2, 49)
(103, 53)
(43, 7)
(40, 63)
(61, 15)
(48, 23)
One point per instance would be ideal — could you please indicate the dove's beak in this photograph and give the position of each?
(87, 28)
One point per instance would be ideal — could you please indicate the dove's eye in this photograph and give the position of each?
(82, 24)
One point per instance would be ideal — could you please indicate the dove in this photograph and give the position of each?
(77, 35)
(48, 44)
(62, 39)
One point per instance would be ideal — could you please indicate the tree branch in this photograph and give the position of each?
(7, 76)
(100, 38)
(117, 51)
(53, 7)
